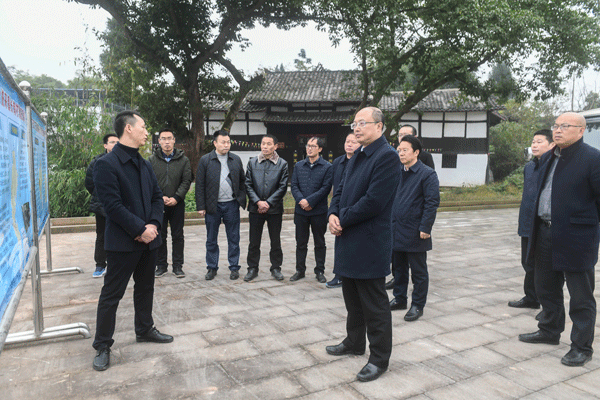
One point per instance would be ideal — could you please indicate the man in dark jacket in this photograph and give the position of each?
(174, 175)
(339, 167)
(565, 238)
(360, 218)
(425, 157)
(132, 200)
(266, 183)
(541, 143)
(110, 139)
(220, 192)
(311, 184)
(415, 207)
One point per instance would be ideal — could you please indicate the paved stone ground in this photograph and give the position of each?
(266, 339)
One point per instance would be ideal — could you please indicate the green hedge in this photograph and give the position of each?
(67, 194)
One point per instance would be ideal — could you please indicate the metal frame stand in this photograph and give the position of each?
(49, 270)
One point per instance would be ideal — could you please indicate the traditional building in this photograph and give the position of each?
(295, 106)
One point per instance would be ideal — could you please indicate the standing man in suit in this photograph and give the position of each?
(415, 207)
(565, 237)
(339, 167)
(174, 175)
(311, 184)
(220, 192)
(132, 200)
(541, 143)
(360, 218)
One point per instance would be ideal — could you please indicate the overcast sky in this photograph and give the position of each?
(48, 39)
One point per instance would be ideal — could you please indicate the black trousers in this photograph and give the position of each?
(549, 289)
(257, 222)
(99, 253)
(120, 267)
(529, 283)
(175, 216)
(318, 225)
(368, 312)
(416, 262)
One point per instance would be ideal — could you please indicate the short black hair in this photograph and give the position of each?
(268, 135)
(165, 129)
(414, 130)
(545, 132)
(320, 141)
(122, 119)
(415, 143)
(220, 132)
(108, 135)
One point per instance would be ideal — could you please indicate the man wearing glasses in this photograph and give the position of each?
(360, 218)
(564, 240)
(174, 175)
(311, 183)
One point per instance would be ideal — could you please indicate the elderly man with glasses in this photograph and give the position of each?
(565, 237)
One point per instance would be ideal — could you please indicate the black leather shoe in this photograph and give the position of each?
(370, 372)
(539, 315)
(539, 337)
(389, 285)
(576, 358)
(342, 350)
(252, 273)
(320, 277)
(336, 282)
(210, 275)
(160, 271)
(234, 275)
(154, 336)
(298, 275)
(396, 304)
(102, 359)
(524, 303)
(413, 314)
(178, 272)
(276, 273)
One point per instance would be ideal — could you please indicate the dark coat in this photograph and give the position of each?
(131, 199)
(339, 166)
(575, 207)
(312, 184)
(208, 180)
(174, 177)
(266, 181)
(363, 203)
(95, 204)
(527, 209)
(415, 207)
(427, 159)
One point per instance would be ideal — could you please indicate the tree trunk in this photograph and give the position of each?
(197, 129)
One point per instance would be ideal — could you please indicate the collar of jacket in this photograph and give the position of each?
(213, 155)
(273, 159)
(124, 153)
(415, 167)
(568, 152)
(319, 161)
(370, 149)
(177, 153)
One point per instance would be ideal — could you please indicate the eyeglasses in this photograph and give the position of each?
(361, 124)
(563, 127)
(167, 139)
(311, 146)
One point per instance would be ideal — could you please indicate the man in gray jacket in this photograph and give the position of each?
(266, 182)
(174, 175)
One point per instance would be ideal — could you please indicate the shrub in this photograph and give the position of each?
(67, 194)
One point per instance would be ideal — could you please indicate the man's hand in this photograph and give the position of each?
(303, 204)
(263, 207)
(425, 235)
(334, 225)
(169, 201)
(202, 212)
(149, 234)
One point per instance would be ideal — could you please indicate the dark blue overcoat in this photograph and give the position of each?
(131, 199)
(527, 209)
(415, 207)
(363, 203)
(575, 207)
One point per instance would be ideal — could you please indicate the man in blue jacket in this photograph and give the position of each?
(132, 200)
(541, 143)
(565, 237)
(360, 218)
(311, 184)
(415, 207)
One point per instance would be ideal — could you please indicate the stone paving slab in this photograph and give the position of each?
(266, 339)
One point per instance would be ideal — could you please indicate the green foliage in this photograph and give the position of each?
(190, 199)
(36, 81)
(592, 100)
(67, 194)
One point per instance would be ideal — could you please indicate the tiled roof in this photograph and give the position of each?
(245, 107)
(308, 86)
(440, 100)
(307, 117)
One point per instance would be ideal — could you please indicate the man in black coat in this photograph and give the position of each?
(110, 139)
(360, 218)
(424, 156)
(565, 237)
(132, 200)
(220, 192)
